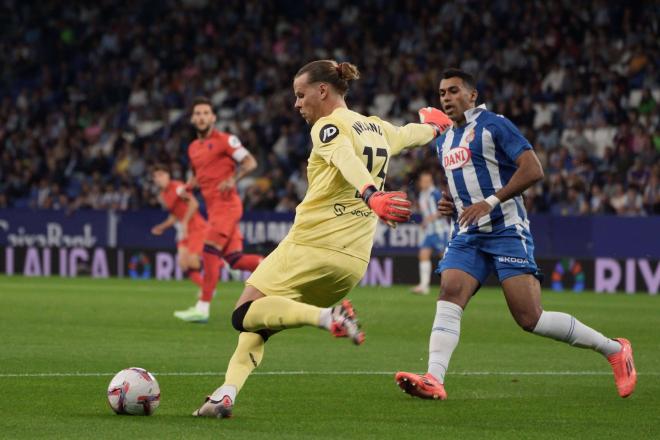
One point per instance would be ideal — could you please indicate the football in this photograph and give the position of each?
(134, 391)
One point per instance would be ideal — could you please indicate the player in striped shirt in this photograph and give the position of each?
(489, 164)
(435, 229)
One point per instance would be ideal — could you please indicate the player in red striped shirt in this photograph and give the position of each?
(185, 210)
(218, 161)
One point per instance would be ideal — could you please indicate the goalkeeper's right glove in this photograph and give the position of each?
(390, 206)
(435, 118)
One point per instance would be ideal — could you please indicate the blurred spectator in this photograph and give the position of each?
(92, 95)
(633, 204)
(598, 201)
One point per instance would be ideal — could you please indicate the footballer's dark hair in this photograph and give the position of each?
(330, 71)
(201, 100)
(160, 167)
(468, 79)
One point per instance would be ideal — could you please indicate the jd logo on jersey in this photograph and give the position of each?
(456, 158)
(328, 133)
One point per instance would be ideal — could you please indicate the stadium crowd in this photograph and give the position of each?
(92, 94)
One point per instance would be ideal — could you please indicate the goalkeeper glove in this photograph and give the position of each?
(435, 118)
(390, 206)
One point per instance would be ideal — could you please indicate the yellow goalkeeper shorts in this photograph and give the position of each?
(308, 274)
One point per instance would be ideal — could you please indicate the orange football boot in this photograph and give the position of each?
(424, 387)
(623, 367)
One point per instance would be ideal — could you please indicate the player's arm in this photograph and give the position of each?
(162, 227)
(191, 184)
(530, 171)
(336, 149)
(446, 206)
(433, 124)
(246, 164)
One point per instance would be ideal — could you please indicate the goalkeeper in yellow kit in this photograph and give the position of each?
(328, 248)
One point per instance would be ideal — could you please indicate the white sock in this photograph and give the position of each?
(564, 327)
(225, 390)
(444, 337)
(203, 307)
(425, 273)
(326, 318)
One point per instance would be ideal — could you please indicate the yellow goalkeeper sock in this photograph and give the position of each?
(246, 357)
(277, 313)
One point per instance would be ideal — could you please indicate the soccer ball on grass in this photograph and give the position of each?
(134, 391)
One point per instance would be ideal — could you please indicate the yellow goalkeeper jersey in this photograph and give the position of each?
(332, 215)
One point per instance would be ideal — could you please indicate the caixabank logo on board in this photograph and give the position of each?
(52, 235)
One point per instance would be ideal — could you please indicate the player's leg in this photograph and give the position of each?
(260, 311)
(424, 271)
(250, 348)
(234, 255)
(213, 262)
(194, 247)
(189, 264)
(247, 356)
(189, 259)
(464, 268)
(523, 296)
(215, 239)
(456, 289)
(513, 259)
(300, 283)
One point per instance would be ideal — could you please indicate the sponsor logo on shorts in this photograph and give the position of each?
(340, 210)
(512, 260)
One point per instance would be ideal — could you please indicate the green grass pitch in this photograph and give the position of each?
(61, 340)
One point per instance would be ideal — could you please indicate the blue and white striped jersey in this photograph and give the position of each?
(428, 205)
(479, 159)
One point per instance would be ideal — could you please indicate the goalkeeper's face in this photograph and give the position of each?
(309, 98)
(203, 118)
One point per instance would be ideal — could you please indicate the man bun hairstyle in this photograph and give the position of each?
(329, 71)
(468, 79)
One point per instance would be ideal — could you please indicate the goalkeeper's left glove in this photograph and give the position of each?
(435, 118)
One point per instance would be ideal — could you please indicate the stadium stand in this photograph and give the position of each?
(92, 95)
